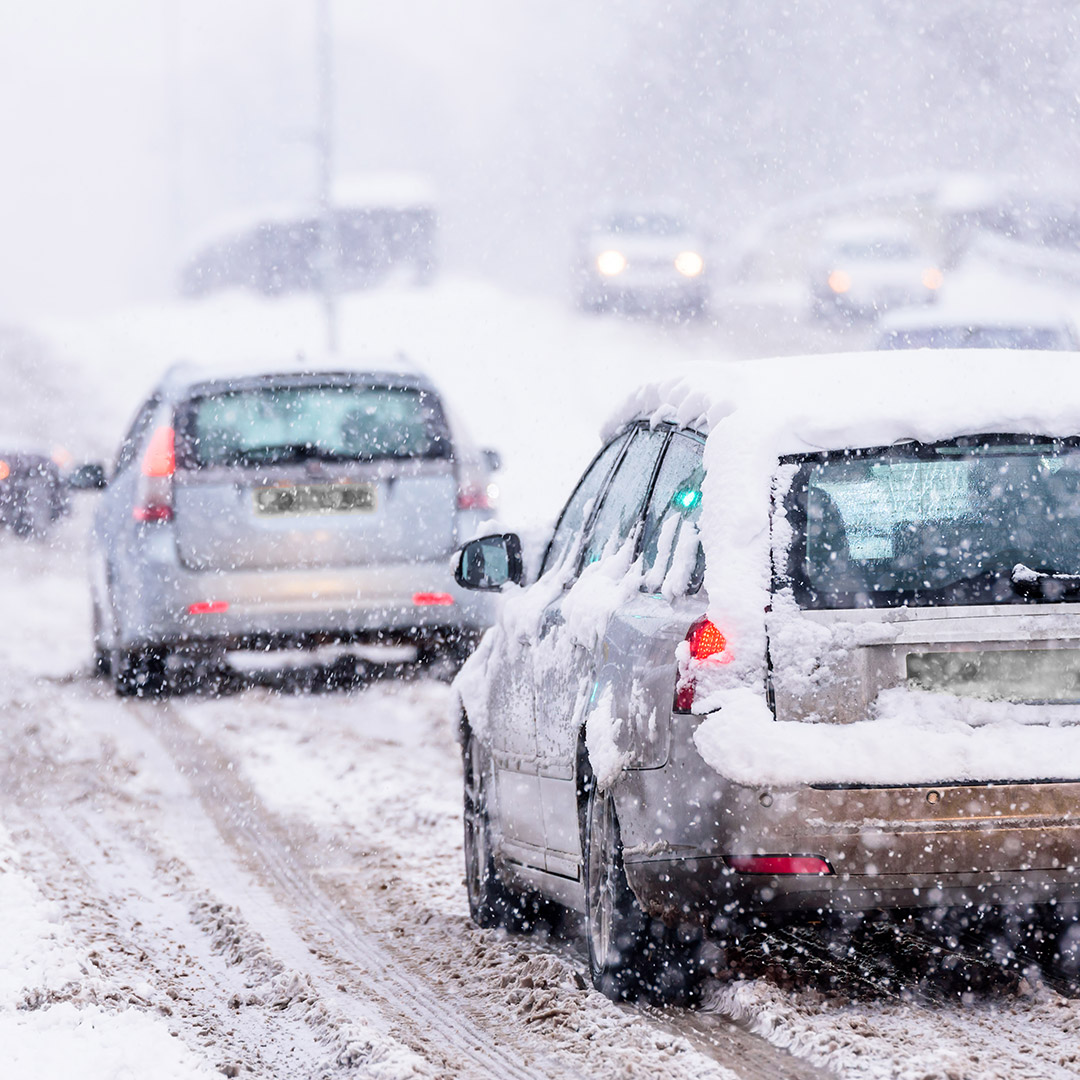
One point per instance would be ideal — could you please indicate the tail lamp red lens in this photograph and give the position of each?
(154, 501)
(432, 599)
(208, 607)
(778, 864)
(473, 498)
(707, 643)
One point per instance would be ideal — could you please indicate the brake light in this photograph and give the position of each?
(432, 599)
(154, 500)
(778, 864)
(472, 497)
(208, 607)
(160, 456)
(707, 644)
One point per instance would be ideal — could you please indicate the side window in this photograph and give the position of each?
(621, 509)
(130, 445)
(670, 542)
(576, 512)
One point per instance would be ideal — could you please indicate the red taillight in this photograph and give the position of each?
(208, 607)
(154, 499)
(706, 643)
(705, 640)
(432, 599)
(778, 864)
(160, 456)
(473, 498)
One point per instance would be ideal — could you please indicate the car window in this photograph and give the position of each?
(621, 508)
(129, 446)
(672, 513)
(577, 510)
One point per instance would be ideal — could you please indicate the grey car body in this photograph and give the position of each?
(621, 763)
(205, 542)
(32, 494)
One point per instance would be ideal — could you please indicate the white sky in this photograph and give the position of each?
(127, 125)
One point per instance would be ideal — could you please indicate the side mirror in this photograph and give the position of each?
(88, 477)
(492, 459)
(490, 563)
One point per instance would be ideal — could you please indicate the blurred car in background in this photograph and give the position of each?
(641, 260)
(286, 508)
(955, 330)
(869, 266)
(380, 226)
(32, 494)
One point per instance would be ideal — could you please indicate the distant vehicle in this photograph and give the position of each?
(291, 507)
(380, 227)
(32, 494)
(839, 674)
(941, 330)
(866, 267)
(641, 261)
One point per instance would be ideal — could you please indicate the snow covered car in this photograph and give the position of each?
(285, 508)
(32, 495)
(788, 655)
(867, 267)
(641, 261)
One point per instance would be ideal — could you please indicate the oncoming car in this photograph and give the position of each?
(285, 508)
(641, 261)
(788, 658)
(867, 267)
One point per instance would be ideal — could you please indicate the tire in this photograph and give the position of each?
(139, 672)
(631, 954)
(491, 903)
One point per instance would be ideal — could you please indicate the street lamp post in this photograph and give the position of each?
(328, 253)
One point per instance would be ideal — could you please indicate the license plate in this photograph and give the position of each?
(315, 499)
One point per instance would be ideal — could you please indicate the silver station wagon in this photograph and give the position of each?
(285, 508)
(805, 640)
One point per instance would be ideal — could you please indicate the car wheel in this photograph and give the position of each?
(491, 903)
(138, 672)
(630, 953)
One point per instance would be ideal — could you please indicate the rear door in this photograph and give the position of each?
(312, 473)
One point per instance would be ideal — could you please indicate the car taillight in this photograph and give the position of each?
(208, 607)
(154, 497)
(707, 643)
(473, 497)
(778, 864)
(432, 599)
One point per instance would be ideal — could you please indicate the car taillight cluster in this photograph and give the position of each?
(473, 497)
(154, 498)
(707, 644)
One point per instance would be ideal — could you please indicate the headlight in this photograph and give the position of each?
(932, 277)
(610, 263)
(839, 281)
(689, 263)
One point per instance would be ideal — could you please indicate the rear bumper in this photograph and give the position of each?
(899, 847)
(265, 609)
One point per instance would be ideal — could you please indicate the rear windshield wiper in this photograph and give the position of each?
(1045, 583)
(284, 453)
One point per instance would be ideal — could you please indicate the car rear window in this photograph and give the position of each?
(987, 520)
(279, 424)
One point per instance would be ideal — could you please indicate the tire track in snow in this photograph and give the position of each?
(408, 1001)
